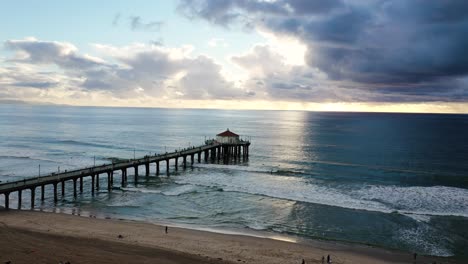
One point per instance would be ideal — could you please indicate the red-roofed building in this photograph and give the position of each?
(227, 137)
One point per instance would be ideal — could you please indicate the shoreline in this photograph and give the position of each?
(191, 243)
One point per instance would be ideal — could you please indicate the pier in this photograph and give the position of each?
(222, 151)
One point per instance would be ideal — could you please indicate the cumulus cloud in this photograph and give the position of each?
(270, 76)
(64, 54)
(136, 70)
(392, 50)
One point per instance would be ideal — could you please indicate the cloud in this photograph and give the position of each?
(116, 20)
(270, 76)
(138, 70)
(392, 50)
(137, 24)
(63, 54)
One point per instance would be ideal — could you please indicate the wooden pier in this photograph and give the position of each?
(211, 152)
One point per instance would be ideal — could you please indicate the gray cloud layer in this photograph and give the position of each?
(139, 70)
(415, 49)
(357, 51)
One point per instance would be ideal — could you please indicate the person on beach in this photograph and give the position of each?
(303, 261)
(166, 229)
(328, 259)
(323, 259)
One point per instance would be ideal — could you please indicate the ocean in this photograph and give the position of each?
(396, 181)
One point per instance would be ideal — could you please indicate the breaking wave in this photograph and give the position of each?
(430, 201)
(175, 191)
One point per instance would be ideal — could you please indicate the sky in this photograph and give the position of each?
(334, 55)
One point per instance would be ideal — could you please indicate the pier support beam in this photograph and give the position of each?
(97, 182)
(63, 189)
(147, 167)
(157, 168)
(74, 187)
(92, 184)
(33, 197)
(7, 200)
(81, 184)
(55, 192)
(167, 167)
(124, 171)
(192, 158)
(199, 157)
(20, 194)
(176, 163)
(109, 182)
(185, 161)
(42, 192)
(136, 174)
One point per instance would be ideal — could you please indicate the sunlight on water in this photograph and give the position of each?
(390, 180)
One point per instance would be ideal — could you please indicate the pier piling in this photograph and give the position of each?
(7, 200)
(167, 167)
(19, 198)
(213, 151)
(33, 197)
(42, 192)
(74, 187)
(92, 184)
(55, 192)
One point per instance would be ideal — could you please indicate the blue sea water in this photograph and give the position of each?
(391, 180)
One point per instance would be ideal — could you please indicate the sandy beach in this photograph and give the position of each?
(40, 237)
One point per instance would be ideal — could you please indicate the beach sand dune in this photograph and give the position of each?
(39, 237)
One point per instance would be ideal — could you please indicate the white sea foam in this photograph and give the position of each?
(425, 240)
(174, 191)
(420, 217)
(437, 200)
(141, 190)
(178, 190)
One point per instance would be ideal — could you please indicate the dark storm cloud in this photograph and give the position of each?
(224, 12)
(394, 44)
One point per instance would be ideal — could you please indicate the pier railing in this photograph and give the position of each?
(212, 151)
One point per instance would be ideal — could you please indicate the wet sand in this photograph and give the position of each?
(39, 237)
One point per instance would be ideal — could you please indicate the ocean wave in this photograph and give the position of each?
(88, 144)
(19, 157)
(14, 157)
(419, 217)
(430, 201)
(272, 170)
(140, 190)
(179, 190)
(434, 200)
(425, 240)
(175, 191)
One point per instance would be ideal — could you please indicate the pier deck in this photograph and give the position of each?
(212, 152)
